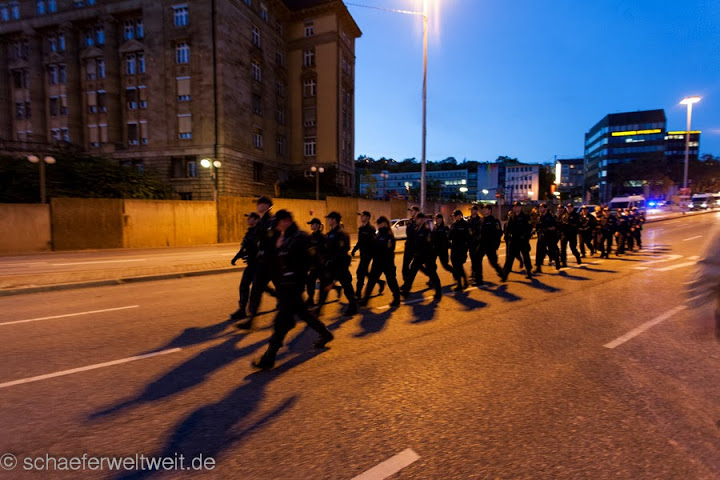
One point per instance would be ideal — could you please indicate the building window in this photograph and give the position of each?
(309, 116)
(180, 15)
(20, 79)
(52, 41)
(257, 138)
(89, 38)
(142, 96)
(93, 136)
(101, 105)
(15, 10)
(41, 7)
(309, 87)
(55, 133)
(280, 114)
(309, 29)
(54, 106)
(309, 146)
(100, 35)
(182, 53)
(141, 62)
(100, 67)
(62, 74)
(183, 89)
(130, 64)
(129, 30)
(103, 133)
(280, 89)
(143, 132)
(256, 71)
(256, 36)
(19, 110)
(28, 111)
(279, 59)
(263, 12)
(309, 58)
(257, 172)
(52, 74)
(131, 98)
(92, 102)
(256, 104)
(63, 105)
(4, 13)
(280, 146)
(132, 133)
(185, 126)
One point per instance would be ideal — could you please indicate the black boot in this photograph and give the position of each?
(246, 325)
(323, 340)
(396, 301)
(266, 362)
(238, 314)
(382, 286)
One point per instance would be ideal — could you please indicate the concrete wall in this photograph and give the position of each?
(167, 223)
(231, 222)
(82, 223)
(348, 208)
(25, 227)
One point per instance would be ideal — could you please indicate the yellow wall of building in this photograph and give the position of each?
(82, 223)
(25, 227)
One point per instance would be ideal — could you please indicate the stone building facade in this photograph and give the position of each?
(266, 87)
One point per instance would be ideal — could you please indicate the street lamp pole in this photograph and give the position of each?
(49, 160)
(689, 102)
(424, 109)
(317, 171)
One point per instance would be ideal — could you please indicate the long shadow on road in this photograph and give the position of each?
(501, 292)
(187, 375)
(213, 429)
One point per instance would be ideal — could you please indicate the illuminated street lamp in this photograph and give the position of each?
(423, 162)
(213, 165)
(317, 171)
(50, 161)
(530, 194)
(689, 102)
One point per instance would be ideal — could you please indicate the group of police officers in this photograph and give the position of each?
(296, 262)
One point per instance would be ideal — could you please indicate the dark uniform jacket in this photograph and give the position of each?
(440, 237)
(569, 223)
(490, 232)
(608, 224)
(459, 236)
(366, 234)
(518, 228)
(547, 227)
(410, 230)
(587, 223)
(248, 247)
(317, 249)
(337, 248)
(383, 247)
(292, 259)
(266, 235)
(423, 243)
(474, 227)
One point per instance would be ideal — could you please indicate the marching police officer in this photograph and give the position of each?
(441, 241)
(639, 222)
(608, 226)
(317, 260)
(265, 238)
(490, 239)
(366, 235)
(586, 230)
(517, 235)
(547, 232)
(337, 264)
(248, 252)
(621, 232)
(383, 262)
(474, 227)
(292, 261)
(409, 252)
(459, 249)
(569, 223)
(424, 257)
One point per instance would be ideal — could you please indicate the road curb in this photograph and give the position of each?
(116, 281)
(680, 216)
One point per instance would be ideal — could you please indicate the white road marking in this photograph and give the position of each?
(69, 315)
(694, 257)
(89, 367)
(390, 466)
(691, 238)
(669, 258)
(645, 326)
(98, 262)
(673, 267)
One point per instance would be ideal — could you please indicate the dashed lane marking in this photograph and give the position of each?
(645, 326)
(86, 368)
(674, 267)
(70, 315)
(390, 466)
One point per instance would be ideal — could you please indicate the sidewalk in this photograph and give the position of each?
(47, 271)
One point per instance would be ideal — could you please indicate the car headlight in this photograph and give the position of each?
(704, 205)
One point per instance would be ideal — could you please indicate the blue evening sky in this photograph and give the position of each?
(528, 78)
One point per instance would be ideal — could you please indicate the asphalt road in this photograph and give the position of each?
(527, 380)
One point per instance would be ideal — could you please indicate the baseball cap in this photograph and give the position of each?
(382, 220)
(264, 199)
(365, 213)
(457, 212)
(283, 214)
(334, 215)
(252, 215)
(314, 220)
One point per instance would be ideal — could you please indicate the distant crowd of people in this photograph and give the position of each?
(299, 264)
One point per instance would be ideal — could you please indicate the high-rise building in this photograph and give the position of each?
(570, 176)
(675, 151)
(266, 87)
(619, 140)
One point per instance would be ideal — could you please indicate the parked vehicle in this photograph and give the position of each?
(628, 201)
(399, 226)
(592, 209)
(701, 201)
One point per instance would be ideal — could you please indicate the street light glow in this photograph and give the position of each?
(49, 160)
(33, 159)
(690, 100)
(485, 191)
(205, 162)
